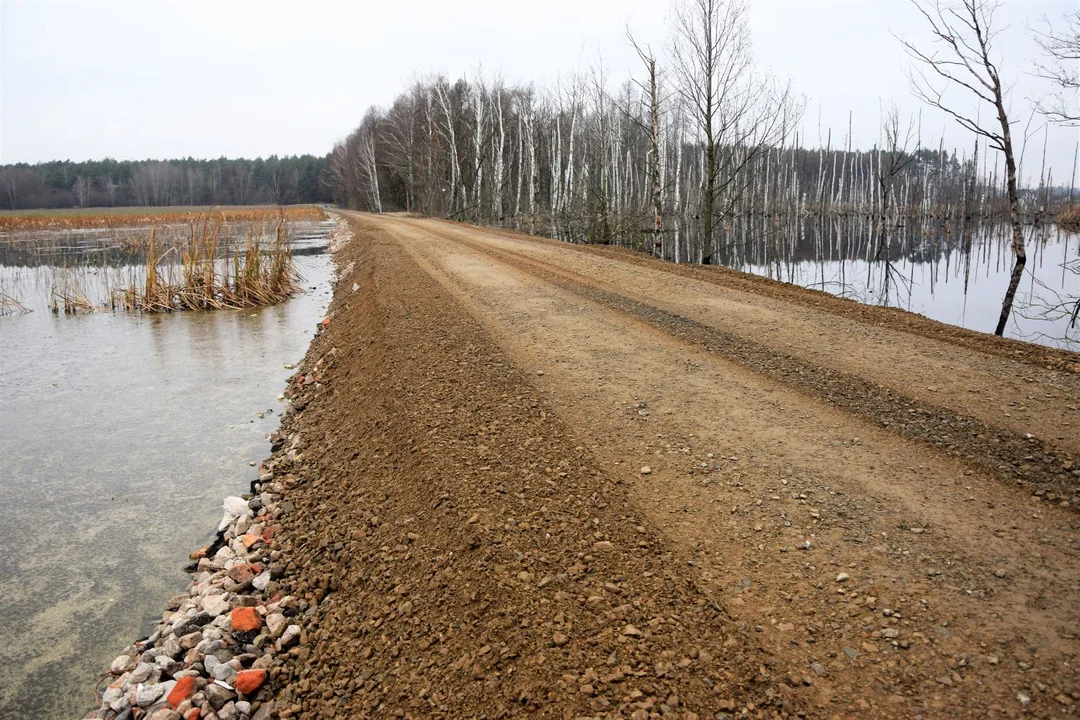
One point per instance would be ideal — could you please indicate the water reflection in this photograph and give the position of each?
(954, 275)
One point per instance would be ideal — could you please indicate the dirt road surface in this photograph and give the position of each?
(567, 481)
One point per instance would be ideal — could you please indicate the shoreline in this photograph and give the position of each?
(219, 647)
(461, 536)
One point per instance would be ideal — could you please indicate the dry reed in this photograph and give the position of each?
(213, 275)
(1069, 219)
(128, 217)
(9, 305)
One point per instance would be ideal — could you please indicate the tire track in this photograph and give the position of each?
(1032, 463)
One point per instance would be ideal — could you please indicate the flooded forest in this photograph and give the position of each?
(716, 165)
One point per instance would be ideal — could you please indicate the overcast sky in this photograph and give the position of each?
(135, 80)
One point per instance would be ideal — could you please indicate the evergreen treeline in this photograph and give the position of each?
(103, 183)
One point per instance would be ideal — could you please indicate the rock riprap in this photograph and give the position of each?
(217, 649)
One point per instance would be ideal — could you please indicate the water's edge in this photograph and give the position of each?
(219, 646)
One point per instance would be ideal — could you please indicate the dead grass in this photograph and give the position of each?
(212, 275)
(9, 305)
(1069, 219)
(96, 218)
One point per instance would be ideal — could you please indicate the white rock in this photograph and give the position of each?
(120, 704)
(142, 673)
(224, 673)
(261, 580)
(843, 577)
(290, 637)
(276, 624)
(122, 664)
(237, 506)
(215, 604)
(146, 694)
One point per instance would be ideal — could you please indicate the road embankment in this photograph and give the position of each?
(524, 478)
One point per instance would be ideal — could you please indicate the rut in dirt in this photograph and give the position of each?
(1027, 461)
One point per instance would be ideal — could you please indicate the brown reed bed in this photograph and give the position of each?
(212, 275)
(128, 217)
(1069, 219)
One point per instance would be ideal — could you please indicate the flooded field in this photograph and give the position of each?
(122, 432)
(952, 280)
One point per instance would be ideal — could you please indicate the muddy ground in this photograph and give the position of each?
(543, 479)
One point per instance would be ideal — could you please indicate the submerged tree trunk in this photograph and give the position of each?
(1018, 249)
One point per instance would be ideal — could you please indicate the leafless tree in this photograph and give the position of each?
(369, 167)
(893, 157)
(81, 188)
(1061, 44)
(110, 189)
(964, 57)
(738, 112)
(651, 87)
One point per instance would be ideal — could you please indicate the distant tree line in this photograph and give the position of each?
(104, 183)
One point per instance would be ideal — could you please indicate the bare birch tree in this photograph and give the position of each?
(738, 112)
(81, 188)
(370, 168)
(651, 87)
(963, 57)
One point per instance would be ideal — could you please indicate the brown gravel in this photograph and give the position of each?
(1032, 462)
(817, 533)
(466, 556)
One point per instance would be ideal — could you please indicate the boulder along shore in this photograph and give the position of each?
(429, 539)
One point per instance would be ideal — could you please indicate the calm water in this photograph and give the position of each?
(948, 281)
(119, 436)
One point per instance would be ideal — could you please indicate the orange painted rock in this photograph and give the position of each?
(181, 691)
(245, 619)
(193, 714)
(248, 681)
(249, 540)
